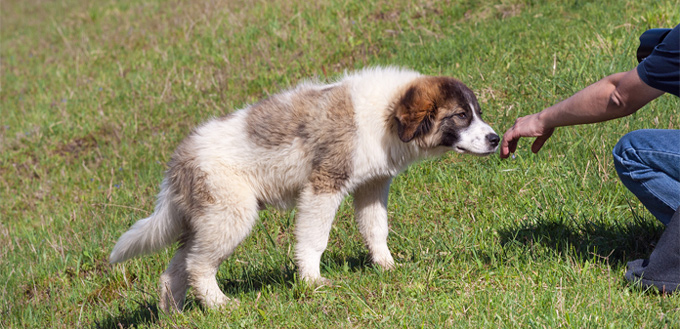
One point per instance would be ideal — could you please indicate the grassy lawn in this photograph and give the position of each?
(97, 94)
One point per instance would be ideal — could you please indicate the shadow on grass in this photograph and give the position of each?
(146, 313)
(615, 243)
(285, 275)
(251, 280)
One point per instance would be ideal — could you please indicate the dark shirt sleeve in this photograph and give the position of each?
(661, 69)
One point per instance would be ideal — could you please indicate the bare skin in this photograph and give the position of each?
(613, 97)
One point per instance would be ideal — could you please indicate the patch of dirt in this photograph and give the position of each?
(77, 146)
(80, 146)
(499, 11)
(390, 16)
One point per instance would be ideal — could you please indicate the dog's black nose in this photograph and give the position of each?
(493, 139)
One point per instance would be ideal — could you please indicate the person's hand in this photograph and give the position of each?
(528, 126)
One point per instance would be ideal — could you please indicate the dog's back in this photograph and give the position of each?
(326, 135)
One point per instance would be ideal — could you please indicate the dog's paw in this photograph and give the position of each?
(219, 301)
(385, 261)
(317, 281)
(223, 303)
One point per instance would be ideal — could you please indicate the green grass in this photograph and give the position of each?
(96, 95)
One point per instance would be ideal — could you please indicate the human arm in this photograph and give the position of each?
(614, 96)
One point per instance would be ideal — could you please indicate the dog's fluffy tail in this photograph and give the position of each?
(147, 235)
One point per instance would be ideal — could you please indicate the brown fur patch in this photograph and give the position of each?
(188, 182)
(334, 139)
(322, 120)
(427, 102)
(416, 109)
(272, 122)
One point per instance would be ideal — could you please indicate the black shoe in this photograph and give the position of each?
(662, 269)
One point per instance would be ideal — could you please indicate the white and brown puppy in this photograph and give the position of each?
(309, 146)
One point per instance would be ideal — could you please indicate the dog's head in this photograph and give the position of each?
(443, 112)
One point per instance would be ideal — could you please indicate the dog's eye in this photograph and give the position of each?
(462, 115)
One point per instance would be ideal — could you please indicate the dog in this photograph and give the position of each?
(309, 146)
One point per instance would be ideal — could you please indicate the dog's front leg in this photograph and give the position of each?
(370, 204)
(316, 211)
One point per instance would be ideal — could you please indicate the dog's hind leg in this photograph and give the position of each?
(216, 232)
(174, 281)
(316, 212)
(370, 205)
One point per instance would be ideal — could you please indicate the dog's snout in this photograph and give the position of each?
(493, 139)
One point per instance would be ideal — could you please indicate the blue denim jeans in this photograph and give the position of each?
(648, 163)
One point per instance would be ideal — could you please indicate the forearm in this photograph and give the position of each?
(596, 103)
(615, 96)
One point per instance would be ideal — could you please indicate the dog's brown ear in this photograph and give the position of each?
(416, 110)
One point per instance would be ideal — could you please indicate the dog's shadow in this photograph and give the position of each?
(285, 273)
(146, 313)
(614, 243)
(249, 280)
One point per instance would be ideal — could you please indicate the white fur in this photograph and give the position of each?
(149, 234)
(473, 139)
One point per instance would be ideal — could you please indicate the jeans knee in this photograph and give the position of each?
(625, 155)
(625, 143)
(627, 146)
(619, 151)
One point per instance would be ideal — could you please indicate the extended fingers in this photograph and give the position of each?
(540, 140)
(509, 143)
(527, 126)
